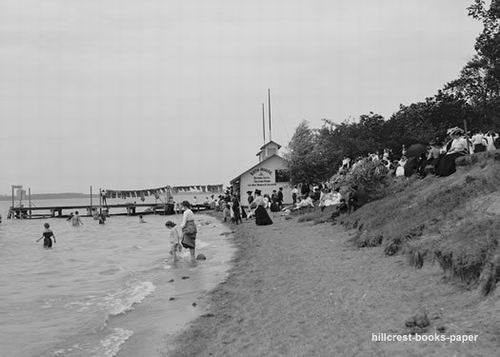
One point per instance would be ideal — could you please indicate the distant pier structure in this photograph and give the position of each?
(163, 204)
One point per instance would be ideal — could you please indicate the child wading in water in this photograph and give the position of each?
(174, 239)
(47, 236)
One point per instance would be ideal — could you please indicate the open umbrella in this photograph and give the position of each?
(416, 150)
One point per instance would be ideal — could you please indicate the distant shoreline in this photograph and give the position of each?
(48, 196)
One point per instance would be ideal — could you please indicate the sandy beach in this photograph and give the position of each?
(300, 289)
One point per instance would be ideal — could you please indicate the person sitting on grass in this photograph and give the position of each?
(305, 202)
(329, 198)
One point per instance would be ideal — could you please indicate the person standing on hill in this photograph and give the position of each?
(295, 193)
(47, 236)
(305, 190)
(490, 138)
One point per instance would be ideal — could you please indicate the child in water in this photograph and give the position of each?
(47, 236)
(174, 239)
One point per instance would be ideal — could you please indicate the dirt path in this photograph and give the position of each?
(299, 289)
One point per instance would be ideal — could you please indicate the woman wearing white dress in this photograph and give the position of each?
(490, 138)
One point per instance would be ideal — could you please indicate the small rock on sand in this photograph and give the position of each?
(171, 280)
(171, 299)
(185, 277)
(201, 257)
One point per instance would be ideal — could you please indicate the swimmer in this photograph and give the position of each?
(47, 236)
(75, 220)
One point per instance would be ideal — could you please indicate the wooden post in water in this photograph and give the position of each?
(100, 200)
(29, 200)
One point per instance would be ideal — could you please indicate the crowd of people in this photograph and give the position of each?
(436, 158)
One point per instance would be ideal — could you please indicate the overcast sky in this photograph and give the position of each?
(132, 94)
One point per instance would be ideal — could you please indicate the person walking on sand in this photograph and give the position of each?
(261, 216)
(47, 236)
(75, 220)
(236, 210)
(188, 228)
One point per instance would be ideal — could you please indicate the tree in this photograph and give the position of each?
(306, 157)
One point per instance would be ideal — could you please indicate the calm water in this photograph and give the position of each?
(103, 290)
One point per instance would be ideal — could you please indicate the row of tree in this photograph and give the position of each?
(473, 98)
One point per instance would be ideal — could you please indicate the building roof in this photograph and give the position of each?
(254, 166)
(274, 142)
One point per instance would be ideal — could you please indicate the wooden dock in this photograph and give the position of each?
(126, 209)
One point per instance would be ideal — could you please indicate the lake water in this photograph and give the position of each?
(103, 290)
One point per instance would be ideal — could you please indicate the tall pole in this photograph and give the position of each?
(269, 108)
(12, 187)
(29, 198)
(263, 124)
(466, 135)
(91, 199)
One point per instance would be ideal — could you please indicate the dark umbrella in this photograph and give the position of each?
(416, 150)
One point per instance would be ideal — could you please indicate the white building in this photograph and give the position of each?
(271, 173)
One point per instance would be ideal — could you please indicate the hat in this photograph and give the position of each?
(249, 192)
(454, 131)
(170, 224)
(258, 192)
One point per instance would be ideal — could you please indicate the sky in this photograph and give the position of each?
(137, 94)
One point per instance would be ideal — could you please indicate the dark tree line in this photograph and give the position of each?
(473, 98)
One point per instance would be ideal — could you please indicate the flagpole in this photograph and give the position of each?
(269, 108)
(263, 124)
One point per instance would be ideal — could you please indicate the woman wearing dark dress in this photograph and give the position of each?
(47, 236)
(261, 216)
(236, 210)
(445, 164)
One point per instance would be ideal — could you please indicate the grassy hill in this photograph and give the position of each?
(454, 221)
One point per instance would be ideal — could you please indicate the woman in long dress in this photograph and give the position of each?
(188, 228)
(445, 165)
(261, 216)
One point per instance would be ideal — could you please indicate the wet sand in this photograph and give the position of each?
(298, 289)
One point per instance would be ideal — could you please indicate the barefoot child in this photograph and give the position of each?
(47, 236)
(176, 246)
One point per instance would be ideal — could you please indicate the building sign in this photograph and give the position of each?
(262, 176)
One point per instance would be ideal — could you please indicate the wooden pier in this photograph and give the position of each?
(126, 209)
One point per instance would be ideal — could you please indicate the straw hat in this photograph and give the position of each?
(455, 131)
